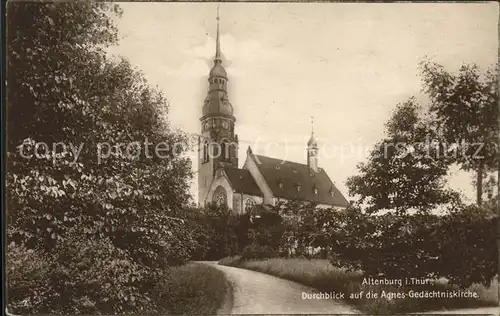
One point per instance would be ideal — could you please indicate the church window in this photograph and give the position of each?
(216, 150)
(220, 196)
(206, 156)
(224, 150)
(249, 205)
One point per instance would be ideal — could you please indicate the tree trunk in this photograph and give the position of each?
(479, 184)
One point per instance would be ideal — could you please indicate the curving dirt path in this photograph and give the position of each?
(259, 293)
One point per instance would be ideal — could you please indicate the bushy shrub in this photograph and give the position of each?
(217, 235)
(258, 252)
(231, 261)
(28, 275)
(78, 277)
(460, 246)
(467, 246)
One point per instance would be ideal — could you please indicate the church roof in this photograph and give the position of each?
(312, 141)
(217, 103)
(292, 174)
(242, 181)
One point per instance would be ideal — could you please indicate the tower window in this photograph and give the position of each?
(316, 191)
(224, 150)
(298, 187)
(206, 155)
(220, 196)
(280, 184)
(216, 150)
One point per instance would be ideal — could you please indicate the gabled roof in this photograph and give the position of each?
(291, 175)
(242, 181)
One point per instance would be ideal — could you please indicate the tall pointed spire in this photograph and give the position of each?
(312, 149)
(312, 141)
(217, 48)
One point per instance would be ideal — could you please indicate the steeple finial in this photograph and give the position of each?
(312, 140)
(312, 125)
(217, 48)
(312, 149)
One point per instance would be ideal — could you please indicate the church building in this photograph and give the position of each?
(262, 180)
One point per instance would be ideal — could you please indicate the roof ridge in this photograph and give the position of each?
(282, 160)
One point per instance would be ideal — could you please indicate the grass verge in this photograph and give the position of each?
(321, 275)
(193, 289)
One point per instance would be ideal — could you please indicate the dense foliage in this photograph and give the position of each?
(459, 246)
(102, 220)
(406, 170)
(221, 233)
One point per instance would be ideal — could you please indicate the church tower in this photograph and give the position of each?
(218, 145)
(312, 151)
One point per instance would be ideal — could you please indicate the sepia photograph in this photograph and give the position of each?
(219, 158)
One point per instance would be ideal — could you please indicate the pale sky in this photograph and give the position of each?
(348, 65)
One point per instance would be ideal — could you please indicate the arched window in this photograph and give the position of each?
(216, 150)
(249, 205)
(220, 196)
(224, 147)
(206, 156)
(223, 150)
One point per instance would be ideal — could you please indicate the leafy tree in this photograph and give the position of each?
(465, 109)
(64, 89)
(406, 169)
